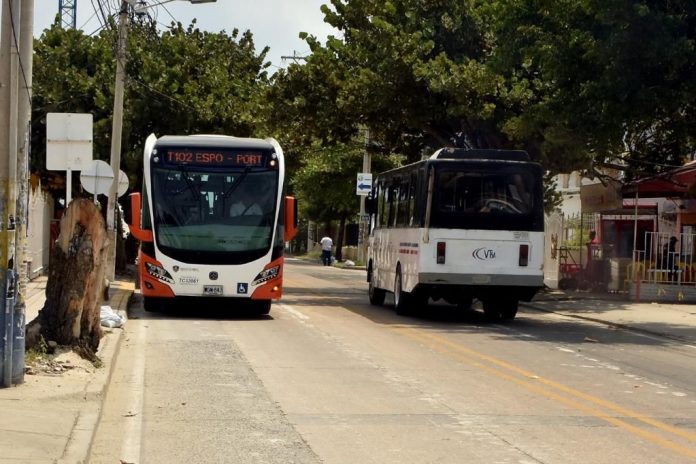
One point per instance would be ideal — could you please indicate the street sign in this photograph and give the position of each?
(97, 177)
(364, 185)
(123, 184)
(68, 141)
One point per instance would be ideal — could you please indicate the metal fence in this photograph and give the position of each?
(665, 259)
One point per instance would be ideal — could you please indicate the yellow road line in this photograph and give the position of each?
(531, 382)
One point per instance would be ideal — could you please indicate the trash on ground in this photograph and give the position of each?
(109, 318)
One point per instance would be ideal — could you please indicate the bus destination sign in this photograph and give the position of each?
(213, 157)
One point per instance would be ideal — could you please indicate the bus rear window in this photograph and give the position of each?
(503, 191)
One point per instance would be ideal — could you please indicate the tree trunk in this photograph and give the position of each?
(71, 314)
(339, 240)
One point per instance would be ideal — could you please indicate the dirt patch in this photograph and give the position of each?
(62, 362)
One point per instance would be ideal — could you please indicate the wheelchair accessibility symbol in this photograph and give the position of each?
(242, 288)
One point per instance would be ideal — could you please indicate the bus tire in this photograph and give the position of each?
(151, 304)
(496, 309)
(375, 294)
(508, 309)
(262, 307)
(418, 300)
(491, 309)
(402, 303)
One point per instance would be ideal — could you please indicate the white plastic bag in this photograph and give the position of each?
(109, 318)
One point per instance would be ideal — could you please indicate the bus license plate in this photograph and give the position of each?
(212, 289)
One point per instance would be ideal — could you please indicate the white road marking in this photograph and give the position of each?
(293, 312)
(130, 447)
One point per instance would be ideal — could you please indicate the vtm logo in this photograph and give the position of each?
(483, 253)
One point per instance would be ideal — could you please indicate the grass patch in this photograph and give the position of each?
(37, 353)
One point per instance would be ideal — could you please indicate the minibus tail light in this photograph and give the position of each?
(441, 251)
(524, 254)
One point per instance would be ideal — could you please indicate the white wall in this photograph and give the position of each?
(569, 187)
(39, 231)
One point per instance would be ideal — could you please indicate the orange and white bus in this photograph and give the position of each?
(196, 238)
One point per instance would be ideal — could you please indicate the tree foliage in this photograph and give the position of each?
(607, 80)
(326, 180)
(179, 81)
(410, 71)
(575, 83)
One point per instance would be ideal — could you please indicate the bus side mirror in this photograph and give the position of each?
(290, 218)
(134, 220)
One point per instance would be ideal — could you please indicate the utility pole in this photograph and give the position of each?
(366, 168)
(116, 133)
(9, 82)
(26, 48)
(295, 57)
(117, 124)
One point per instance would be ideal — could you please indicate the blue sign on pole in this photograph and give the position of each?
(364, 185)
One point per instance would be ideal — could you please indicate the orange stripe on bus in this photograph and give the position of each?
(273, 289)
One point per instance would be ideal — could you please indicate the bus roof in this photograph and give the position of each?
(464, 153)
(225, 141)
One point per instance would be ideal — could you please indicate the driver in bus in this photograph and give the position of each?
(246, 204)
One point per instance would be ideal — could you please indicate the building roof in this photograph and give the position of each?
(671, 184)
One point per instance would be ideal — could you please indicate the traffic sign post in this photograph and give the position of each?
(68, 145)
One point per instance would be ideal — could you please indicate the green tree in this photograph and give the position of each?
(412, 72)
(605, 80)
(325, 182)
(180, 81)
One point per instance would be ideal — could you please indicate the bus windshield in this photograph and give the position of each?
(208, 217)
(488, 197)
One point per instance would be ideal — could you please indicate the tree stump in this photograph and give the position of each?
(71, 314)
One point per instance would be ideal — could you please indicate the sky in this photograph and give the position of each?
(275, 23)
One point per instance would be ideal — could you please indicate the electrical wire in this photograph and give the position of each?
(90, 18)
(161, 94)
(170, 14)
(103, 15)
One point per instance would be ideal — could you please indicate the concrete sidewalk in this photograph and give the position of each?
(52, 416)
(674, 321)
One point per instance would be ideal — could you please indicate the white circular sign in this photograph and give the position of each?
(123, 183)
(97, 178)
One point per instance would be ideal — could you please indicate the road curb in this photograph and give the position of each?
(617, 325)
(84, 429)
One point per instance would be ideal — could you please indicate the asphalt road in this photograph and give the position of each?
(329, 378)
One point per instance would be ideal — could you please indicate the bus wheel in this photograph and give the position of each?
(262, 307)
(508, 309)
(375, 294)
(402, 305)
(491, 309)
(151, 304)
(497, 309)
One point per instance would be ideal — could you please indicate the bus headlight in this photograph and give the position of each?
(159, 273)
(266, 275)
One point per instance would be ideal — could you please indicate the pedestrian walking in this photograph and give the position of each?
(326, 245)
